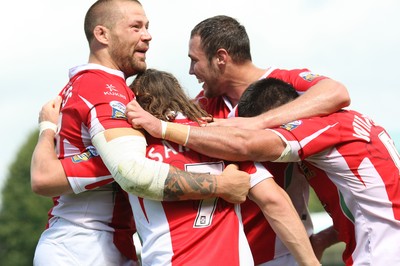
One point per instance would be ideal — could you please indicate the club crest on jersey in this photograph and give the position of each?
(83, 157)
(292, 125)
(118, 110)
(308, 76)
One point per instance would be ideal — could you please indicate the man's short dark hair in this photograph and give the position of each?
(263, 95)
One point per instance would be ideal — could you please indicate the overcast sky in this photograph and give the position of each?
(356, 42)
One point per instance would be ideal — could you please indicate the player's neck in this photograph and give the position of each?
(240, 79)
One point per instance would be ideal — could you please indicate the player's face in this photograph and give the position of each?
(206, 72)
(130, 39)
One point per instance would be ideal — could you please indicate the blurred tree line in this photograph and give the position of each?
(23, 215)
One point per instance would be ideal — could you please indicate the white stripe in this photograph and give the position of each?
(308, 139)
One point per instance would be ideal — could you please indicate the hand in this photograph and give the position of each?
(323, 240)
(140, 118)
(239, 122)
(51, 111)
(318, 249)
(233, 185)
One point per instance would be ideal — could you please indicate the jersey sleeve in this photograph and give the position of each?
(86, 171)
(307, 137)
(105, 108)
(300, 79)
(256, 170)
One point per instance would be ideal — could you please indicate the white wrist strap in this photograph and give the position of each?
(47, 125)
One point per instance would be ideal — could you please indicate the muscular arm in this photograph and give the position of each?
(325, 97)
(123, 152)
(49, 179)
(284, 220)
(236, 144)
(227, 143)
(47, 174)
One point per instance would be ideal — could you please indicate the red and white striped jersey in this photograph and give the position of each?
(264, 243)
(94, 100)
(192, 232)
(363, 197)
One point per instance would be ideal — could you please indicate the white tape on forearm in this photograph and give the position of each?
(163, 129)
(125, 158)
(47, 125)
(177, 133)
(144, 178)
(187, 136)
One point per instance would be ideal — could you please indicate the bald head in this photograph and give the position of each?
(105, 13)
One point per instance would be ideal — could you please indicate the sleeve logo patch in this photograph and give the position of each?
(81, 157)
(308, 76)
(118, 110)
(85, 156)
(292, 125)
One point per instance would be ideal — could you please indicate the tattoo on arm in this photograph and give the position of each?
(181, 185)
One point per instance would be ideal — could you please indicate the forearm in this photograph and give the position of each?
(180, 185)
(47, 174)
(284, 220)
(218, 142)
(325, 97)
(323, 240)
(124, 156)
(227, 143)
(231, 185)
(288, 227)
(158, 181)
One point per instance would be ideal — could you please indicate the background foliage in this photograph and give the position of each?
(24, 214)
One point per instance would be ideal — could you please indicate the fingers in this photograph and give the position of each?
(132, 105)
(50, 110)
(136, 126)
(136, 115)
(53, 104)
(57, 103)
(232, 166)
(131, 109)
(48, 104)
(216, 122)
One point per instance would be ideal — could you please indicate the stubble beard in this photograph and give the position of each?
(136, 66)
(210, 91)
(127, 63)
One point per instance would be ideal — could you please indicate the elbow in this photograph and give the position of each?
(246, 146)
(242, 150)
(342, 96)
(248, 154)
(39, 186)
(334, 94)
(36, 186)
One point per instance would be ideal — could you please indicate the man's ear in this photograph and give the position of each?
(222, 56)
(101, 34)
